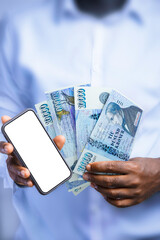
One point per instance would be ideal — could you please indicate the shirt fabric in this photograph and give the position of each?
(54, 45)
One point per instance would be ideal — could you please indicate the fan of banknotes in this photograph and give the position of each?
(99, 125)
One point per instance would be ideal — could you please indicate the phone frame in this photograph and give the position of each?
(15, 152)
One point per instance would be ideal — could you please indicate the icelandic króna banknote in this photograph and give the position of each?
(112, 137)
(89, 102)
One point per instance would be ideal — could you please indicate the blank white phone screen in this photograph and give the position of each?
(37, 151)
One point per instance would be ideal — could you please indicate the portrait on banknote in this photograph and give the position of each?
(128, 117)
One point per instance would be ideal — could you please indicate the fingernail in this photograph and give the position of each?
(30, 184)
(23, 173)
(88, 167)
(86, 177)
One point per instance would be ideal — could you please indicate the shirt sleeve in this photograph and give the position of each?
(14, 94)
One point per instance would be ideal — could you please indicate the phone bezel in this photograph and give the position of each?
(15, 152)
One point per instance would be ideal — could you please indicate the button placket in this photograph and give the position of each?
(97, 54)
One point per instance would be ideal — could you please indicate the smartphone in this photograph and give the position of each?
(36, 151)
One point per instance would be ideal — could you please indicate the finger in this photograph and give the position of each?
(121, 203)
(13, 160)
(28, 183)
(59, 141)
(109, 167)
(17, 169)
(21, 181)
(114, 181)
(6, 148)
(5, 119)
(120, 193)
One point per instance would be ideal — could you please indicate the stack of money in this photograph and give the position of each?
(99, 125)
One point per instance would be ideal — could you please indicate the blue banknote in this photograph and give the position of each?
(79, 189)
(44, 114)
(113, 135)
(89, 102)
(61, 103)
(72, 185)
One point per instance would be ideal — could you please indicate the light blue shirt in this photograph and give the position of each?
(55, 45)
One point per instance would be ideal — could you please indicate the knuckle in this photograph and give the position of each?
(138, 192)
(119, 195)
(104, 182)
(116, 195)
(12, 176)
(109, 165)
(16, 178)
(114, 181)
(110, 182)
(19, 180)
(129, 181)
(120, 166)
(92, 177)
(134, 166)
(136, 181)
(111, 193)
(105, 165)
(9, 162)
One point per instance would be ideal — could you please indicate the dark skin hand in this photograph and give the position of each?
(17, 172)
(136, 181)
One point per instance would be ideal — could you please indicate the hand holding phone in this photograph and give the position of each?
(20, 174)
(17, 172)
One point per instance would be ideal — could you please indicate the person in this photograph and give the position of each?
(127, 118)
(64, 42)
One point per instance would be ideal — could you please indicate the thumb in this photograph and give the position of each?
(59, 141)
(5, 119)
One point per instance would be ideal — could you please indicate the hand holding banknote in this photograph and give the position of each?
(135, 180)
(100, 127)
(17, 172)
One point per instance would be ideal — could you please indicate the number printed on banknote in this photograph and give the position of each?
(113, 135)
(44, 114)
